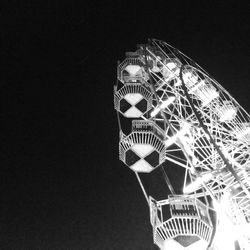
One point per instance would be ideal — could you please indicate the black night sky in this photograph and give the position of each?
(61, 183)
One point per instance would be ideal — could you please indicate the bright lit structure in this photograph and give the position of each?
(189, 226)
(143, 149)
(188, 125)
(132, 100)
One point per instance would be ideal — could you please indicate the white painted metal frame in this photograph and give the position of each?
(192, 219)
(205, 131)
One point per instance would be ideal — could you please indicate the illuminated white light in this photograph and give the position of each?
(226, 111)
(246, 131)
(133, 98)
(228, 115)
(226, 232)
(229, 157)
(142, 149)
(171, 65)
(167, 102)
(171, 69)
(142, 166)
(225, 236)
(243, 132)
(171, 141)
(163, 105)
(193, 186)
(246, 229)
(185, 129)
(172, 244)
(133, 69)
(205, 92)
(189, 78)
(209, 94)
(187, 142)
(155, 112)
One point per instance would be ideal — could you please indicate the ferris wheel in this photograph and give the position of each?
(180, 116)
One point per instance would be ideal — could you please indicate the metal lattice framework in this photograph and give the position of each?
(189, 224)
(144, 148)
(133, 100)
(188, 119)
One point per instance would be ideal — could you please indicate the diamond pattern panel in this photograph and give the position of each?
(133, 112)
(142, 105)
(142, 166)
(153, 158)
(133, 69)
(131, 157)
(142, 149)
(124, 105)
(133, 98)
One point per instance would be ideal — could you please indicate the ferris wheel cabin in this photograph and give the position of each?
(143, 149)
(189, 226)
(134, 98)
